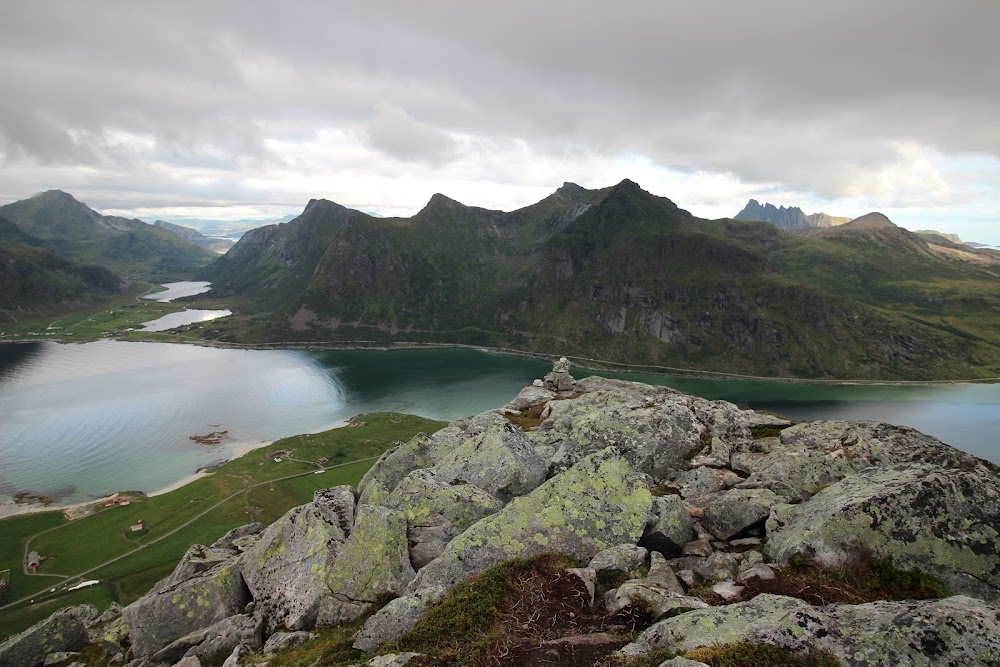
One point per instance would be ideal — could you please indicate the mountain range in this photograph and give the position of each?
(791, 217)
(620, 274)
(57, 254)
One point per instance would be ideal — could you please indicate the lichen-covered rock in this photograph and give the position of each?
(230, 539)
(336, 505)
(599, 502)
(391, 660)
(373, 563)
(500, 461)
(773, 619)
(702, 481)
(197, 559)
(529, 396)
(670, 527)
(437, 511)
(396, 618)
(217, 639)
(681, 661)
(808, 457)
(726, 426)
(165, 615)
(65, 630)
(283, 641)
(954, 631)
(732, 511)
(944, 522)
(655, 597)
(622, 558)
(421, 451)
(657, 429)
(286, 569)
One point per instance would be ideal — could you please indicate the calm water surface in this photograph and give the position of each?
(81, 420)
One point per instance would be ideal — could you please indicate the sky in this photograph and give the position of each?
(247, 109)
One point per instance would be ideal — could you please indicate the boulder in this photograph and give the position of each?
(732, 511)
(229, 540)
(529, 397)
(773, 619)
(372, 565)
(599, 502)
(167, 614)
(656, 428)
(286, 570)
(396, 618)
(622, 558)
(726, 427)
(500, 461)
(336, 505)
(217, 639)
(437, 511)
(422, 451)
(669, 527)
(65, 630)
(809, 457)
(954, 631)
(703, 480)
(283, 641)
(655, 597)
(197, 559)
(944, 522)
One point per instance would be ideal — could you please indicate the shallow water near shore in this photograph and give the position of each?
(83, 420)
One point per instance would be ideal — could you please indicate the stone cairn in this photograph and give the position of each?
(559, 379)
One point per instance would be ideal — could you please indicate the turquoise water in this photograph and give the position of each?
(81, 420)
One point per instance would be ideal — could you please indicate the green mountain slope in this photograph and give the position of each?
(77, 232)
(36, 282)
(620, 274)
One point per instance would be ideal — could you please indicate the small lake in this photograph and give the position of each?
(188, 315)
(179, 290)
(77, 421)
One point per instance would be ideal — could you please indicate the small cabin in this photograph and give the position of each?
(123, 502)
(137, 526)
(34, 560)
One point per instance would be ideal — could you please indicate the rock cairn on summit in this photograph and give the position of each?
(559, 379)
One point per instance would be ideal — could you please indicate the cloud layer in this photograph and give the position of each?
(845, 106)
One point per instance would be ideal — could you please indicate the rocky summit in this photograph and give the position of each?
(697, 520)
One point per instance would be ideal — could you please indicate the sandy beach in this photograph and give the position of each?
(9, 508)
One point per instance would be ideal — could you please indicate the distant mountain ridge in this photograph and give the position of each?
(790, 217)
(620, 274)
(57, 221)
(213, 244)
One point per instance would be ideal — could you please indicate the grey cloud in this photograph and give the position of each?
(398, 134)
(798, 93)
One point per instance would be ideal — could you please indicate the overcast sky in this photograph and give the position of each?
(248, 108)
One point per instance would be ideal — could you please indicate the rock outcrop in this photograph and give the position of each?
(953, 631)
(673, 502)
(595, 504)
(63, 631)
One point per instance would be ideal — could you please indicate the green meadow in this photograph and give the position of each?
(250, 488)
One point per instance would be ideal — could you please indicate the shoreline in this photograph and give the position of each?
(9, 509)
(586, 363)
